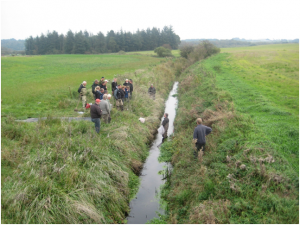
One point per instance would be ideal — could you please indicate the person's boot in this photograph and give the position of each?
(122, 107)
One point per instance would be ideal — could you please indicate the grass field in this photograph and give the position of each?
(38, 85)
(57, 171)
(250, 170)
(264, 82)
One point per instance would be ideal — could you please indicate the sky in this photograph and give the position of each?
(191, 19)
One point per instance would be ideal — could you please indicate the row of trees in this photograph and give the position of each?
(87, 43)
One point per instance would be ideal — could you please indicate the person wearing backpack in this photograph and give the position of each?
(96, 113)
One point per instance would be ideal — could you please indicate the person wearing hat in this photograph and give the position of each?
(104, 106)
(152, 91)
(165, 124)
(96, 113)
(200, 133)
(82, 91)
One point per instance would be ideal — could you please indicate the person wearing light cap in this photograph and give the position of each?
(82, 91)
(152, 91)
(200, 133)
(96, 113)
(104, 106)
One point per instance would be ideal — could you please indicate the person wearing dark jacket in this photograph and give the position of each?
(165, 124)
(119, 95)
(127, 84)
(114, 85)
(95, 84)
(131, 88)
(152, 91)
(200, 133)
(103, 85)
(96, 114)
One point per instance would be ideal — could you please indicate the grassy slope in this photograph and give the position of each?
(39, 85)
(246, 175)
(61, 172)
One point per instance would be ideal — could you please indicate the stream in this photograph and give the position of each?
(146, 204)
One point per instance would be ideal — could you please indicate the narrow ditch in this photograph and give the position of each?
(146, 205)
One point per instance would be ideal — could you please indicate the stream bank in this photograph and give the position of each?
(146, 204)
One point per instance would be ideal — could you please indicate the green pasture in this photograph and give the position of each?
(263, 81)
(35, 86)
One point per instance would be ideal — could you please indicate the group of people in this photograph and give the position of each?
(102, 106)
(122, 93)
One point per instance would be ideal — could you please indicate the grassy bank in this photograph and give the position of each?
(59, 172)
(249, 173)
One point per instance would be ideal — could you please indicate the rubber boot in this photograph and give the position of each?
(122, 107)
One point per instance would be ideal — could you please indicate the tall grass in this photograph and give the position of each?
(243, 176)
(56, 171)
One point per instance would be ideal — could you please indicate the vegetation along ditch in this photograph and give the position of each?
(61, 171)
(56, 171)
(249, 173)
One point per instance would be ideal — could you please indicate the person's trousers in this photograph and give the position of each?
(199, 146)
(105, 117)
(97, 124)
(83, 98)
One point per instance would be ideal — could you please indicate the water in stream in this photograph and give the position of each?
(145, 205)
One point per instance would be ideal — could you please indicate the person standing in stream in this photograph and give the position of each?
(200, 133)
(165, 124)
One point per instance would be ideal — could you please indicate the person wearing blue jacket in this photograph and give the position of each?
(200, 133)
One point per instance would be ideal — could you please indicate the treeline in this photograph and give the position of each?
(13, 44)
(236, 42)
(87, 43)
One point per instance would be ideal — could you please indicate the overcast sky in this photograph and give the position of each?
(191, 19)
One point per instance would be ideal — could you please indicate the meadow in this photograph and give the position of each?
(55, 171)
(250, 170)
(34, 86)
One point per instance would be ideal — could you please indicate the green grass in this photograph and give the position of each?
(56, 171)
(272, 102)
(38, 85)
(249, 173)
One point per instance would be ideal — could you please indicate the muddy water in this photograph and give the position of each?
(145, 205)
